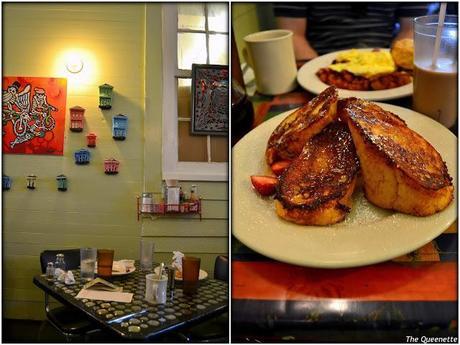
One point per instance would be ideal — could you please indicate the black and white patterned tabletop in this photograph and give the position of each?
(141, 319)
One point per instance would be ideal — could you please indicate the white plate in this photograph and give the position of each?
(203, 274)
(307, 78)
(116, 273)
(368, 235)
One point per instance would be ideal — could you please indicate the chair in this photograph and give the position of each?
(214, 330)
(67, 320)
(221, 268)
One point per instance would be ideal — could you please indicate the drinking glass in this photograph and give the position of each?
(190, 274)
(104, 262)
(435, 86)
(146, 254)
(88, 257)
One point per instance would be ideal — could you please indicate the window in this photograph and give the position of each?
(192, 33)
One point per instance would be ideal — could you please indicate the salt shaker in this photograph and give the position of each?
(50, 271)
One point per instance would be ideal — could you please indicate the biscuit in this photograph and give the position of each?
(403, 53)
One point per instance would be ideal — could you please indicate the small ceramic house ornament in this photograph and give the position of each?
(91, 140)
(6, 182)
(77, 114)
(105, 96)
(82, 156)
(31, 181)
(61, 183)
(111, 166)
(119, 126)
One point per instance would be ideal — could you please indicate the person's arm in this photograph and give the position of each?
(302, 49)
(406, 29)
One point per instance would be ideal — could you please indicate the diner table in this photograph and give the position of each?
(414, 295)
(141, 320)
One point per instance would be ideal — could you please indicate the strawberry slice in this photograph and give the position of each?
(279, 167)
(264, 185)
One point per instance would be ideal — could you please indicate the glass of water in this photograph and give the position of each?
(146, 254)
(88, 258)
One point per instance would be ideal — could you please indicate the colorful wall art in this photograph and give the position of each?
(33, 115)
(210, 99)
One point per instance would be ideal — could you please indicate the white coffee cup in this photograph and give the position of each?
(155, 288)
(271, 55)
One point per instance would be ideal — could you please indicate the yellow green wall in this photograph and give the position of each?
(121, 44)
(244, 22)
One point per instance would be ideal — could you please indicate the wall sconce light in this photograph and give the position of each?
(76, 118)
(31, 181)
(74, 64)
(111, 166)
(61, 183)
(119, 127)
(91, 140)
(105, 96)
(82, 157)
(6, 182)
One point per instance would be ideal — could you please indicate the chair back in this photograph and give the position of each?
(221, 268)
(71, 258)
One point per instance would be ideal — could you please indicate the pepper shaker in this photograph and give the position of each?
(171, 278)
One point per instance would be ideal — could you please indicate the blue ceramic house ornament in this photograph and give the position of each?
(119, 127)
(6, 182)
(82, 156)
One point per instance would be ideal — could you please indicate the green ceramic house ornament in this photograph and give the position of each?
(105, 96)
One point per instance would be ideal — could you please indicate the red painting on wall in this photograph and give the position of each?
(33, 115)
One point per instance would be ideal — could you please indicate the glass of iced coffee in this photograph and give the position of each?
(435, 80)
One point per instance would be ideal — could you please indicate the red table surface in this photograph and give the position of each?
(388, 281)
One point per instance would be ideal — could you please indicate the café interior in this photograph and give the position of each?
(116, 158)
(96, 172)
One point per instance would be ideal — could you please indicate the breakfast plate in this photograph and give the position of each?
(306, 77)
(202, 275)
(368, 235)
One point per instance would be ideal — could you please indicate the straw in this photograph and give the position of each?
(437, 43)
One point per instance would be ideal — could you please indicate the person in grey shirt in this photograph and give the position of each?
(320, 28)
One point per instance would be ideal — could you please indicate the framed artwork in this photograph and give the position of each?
(33, 115)
(210, 99)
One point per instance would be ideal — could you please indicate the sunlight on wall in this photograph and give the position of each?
(86, 77)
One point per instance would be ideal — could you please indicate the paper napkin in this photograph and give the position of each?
(124, 297)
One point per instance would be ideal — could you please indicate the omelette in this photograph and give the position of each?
(367, 64)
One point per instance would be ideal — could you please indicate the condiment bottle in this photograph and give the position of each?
(193, 197)
(147, 202)
(181, 195)
(50, 271)
(60, 263)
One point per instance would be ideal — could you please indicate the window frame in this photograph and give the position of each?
(172, 168)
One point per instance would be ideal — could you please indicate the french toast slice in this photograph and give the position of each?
(288, 139)
(317, 187)
(401, 170)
